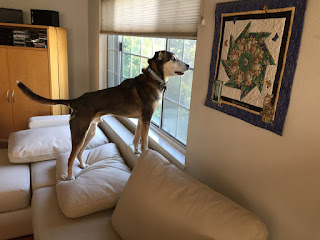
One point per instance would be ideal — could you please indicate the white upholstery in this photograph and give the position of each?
(94, 188)
(15, 192)
(50, 223)
(43, 174)
(48, 121)
(16, 223)
(162, 202)
(158, 202)
(41, 144)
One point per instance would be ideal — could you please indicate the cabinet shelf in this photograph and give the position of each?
(23, 35)
(19, 47)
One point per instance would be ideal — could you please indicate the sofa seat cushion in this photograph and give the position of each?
(40, 144)
(16, 223)
(160, 201)
(15, 192)
(43, 174)
(49, 223)
(94, 188)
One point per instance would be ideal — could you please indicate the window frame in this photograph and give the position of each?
(158, 128)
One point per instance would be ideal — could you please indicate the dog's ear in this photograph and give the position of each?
(160, 56)
(155, 57)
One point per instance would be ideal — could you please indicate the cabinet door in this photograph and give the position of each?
(6, 118)
(31, 67)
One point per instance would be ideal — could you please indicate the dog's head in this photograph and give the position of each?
(168, 64)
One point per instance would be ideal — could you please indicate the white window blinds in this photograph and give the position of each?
(171, 18)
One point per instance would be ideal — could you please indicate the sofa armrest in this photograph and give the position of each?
(48, 121)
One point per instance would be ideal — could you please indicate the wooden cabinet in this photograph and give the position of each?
(30, 67)
(44, 70)
(6, 115)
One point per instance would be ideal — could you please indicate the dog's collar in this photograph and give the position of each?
(161, 81)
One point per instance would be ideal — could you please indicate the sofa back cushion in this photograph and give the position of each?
(40, 144)
(162, 202)
(48, 121)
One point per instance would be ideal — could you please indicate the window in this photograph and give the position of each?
(128, 55)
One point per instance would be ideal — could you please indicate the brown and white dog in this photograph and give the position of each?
(135, 98)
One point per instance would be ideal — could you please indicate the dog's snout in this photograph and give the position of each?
(187, 66)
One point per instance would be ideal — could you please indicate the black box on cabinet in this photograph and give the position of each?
(11, 15)
(44, 17)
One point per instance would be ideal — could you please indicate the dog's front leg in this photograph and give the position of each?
(137, 137)
(145, 125)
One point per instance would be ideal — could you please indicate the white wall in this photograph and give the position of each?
(278, 178)
(94, 35)
(74, 17)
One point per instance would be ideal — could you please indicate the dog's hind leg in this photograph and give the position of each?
(79, 126)
(89, 136)
(137, 137)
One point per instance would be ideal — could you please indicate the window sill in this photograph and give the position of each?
(158, 141)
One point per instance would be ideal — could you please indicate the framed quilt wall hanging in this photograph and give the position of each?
(254, 57)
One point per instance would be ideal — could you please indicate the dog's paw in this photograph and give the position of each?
(84, 166)
(137, 151)
(66, 178)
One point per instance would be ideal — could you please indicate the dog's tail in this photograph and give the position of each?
(30, 94)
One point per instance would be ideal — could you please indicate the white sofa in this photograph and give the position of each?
(159, 201)
(15, 198)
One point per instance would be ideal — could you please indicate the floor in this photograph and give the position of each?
(3, 144)
(23, 238)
